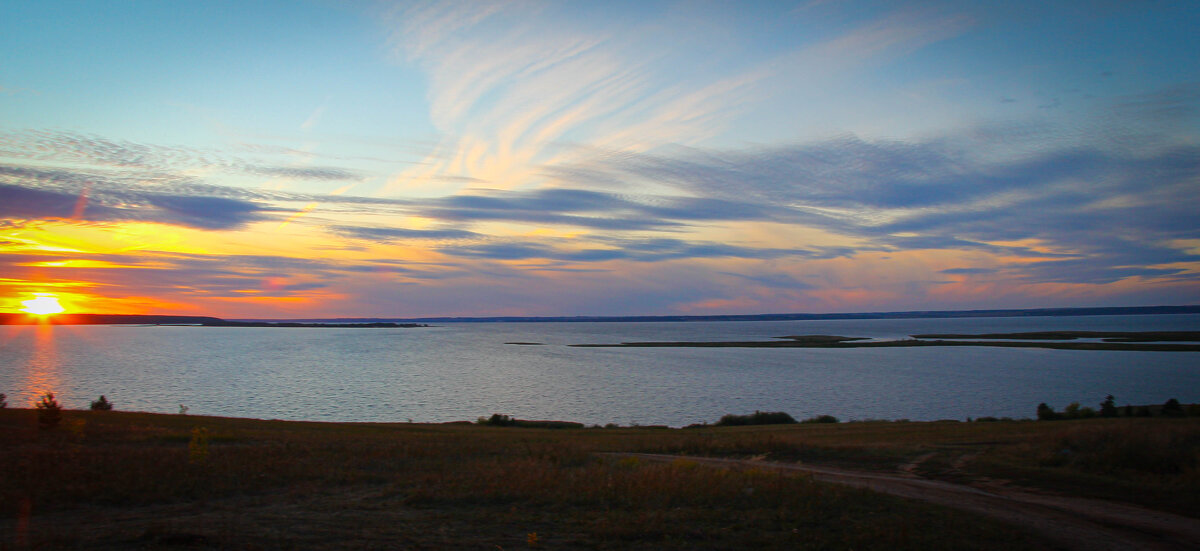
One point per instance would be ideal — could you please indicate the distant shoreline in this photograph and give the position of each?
(1137, 341)
(916, 314)
(209, 321)
(183, 321)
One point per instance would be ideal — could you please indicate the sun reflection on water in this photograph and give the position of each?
(42, 373)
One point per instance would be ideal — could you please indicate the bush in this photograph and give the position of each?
(49, 411)
(1045, 412)
(1172, 408)
(498, 420)
(757, 418)
(1108, 408)
(3, 401)
(821, 419)
(102, 404)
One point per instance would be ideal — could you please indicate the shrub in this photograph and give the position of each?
(1172, 408)
(1108, 408)
(1045, 412)
(820, 419)
(498, 420)
(757, 418)
(49, 411)
(102, 404)
(3, 401)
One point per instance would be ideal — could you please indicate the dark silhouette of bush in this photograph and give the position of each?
(1108, 408)
(102, 404)
(821, 419)
(1046, 413)
(1144, 411)
(756, 418)
(3, 401)
(49, 411)
(1075, 411)
(1172, 408)
(498, 420)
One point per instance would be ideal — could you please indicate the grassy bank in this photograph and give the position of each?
(117, 480)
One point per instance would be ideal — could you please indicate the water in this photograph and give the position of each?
(463, 371)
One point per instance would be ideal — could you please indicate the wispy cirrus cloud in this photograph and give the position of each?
(147, 160)
(388, 234)
(511, 83)
(649, 250)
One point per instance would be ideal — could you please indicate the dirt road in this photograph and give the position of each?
(1075, 523)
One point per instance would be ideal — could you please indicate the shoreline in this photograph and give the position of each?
(1134, 341)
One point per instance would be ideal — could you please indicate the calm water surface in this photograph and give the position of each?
(463, 371)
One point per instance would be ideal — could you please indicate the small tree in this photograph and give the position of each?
(102, 404)
(3, 401)
(49, 412)
(1172, 408)
(1108, 408)
(1045, 412)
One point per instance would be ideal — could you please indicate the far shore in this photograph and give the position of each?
(1150, 341)
(182, 321)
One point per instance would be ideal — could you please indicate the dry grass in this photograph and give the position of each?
(119, 480)
(1151, 462)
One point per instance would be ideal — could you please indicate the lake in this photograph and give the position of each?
(461, 371)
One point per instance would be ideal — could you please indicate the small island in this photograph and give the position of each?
(1151, 341)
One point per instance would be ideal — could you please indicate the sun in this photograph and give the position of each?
(43, 305)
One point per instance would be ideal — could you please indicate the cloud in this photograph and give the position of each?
(967, 271)
(778, 280)
(152, 160)
(511, 83)
(305, 173)
(1090, 213)
(1174, 104)
(637, 250)
(591, 209)
(36, 194)
(391, 234)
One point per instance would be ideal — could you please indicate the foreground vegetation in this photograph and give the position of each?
(108, 479)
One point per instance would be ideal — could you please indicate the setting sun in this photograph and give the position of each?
(44, 304)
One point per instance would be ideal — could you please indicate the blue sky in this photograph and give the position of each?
(302, 159)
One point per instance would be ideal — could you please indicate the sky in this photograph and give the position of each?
(309, 159)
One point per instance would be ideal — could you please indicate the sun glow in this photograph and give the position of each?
(43, 304)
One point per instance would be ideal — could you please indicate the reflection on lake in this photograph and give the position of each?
(462, 371)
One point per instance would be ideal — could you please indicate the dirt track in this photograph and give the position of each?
(1075, 523)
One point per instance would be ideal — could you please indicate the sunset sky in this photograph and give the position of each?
(256, 159)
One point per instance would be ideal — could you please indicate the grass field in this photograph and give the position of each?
(118, 480)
